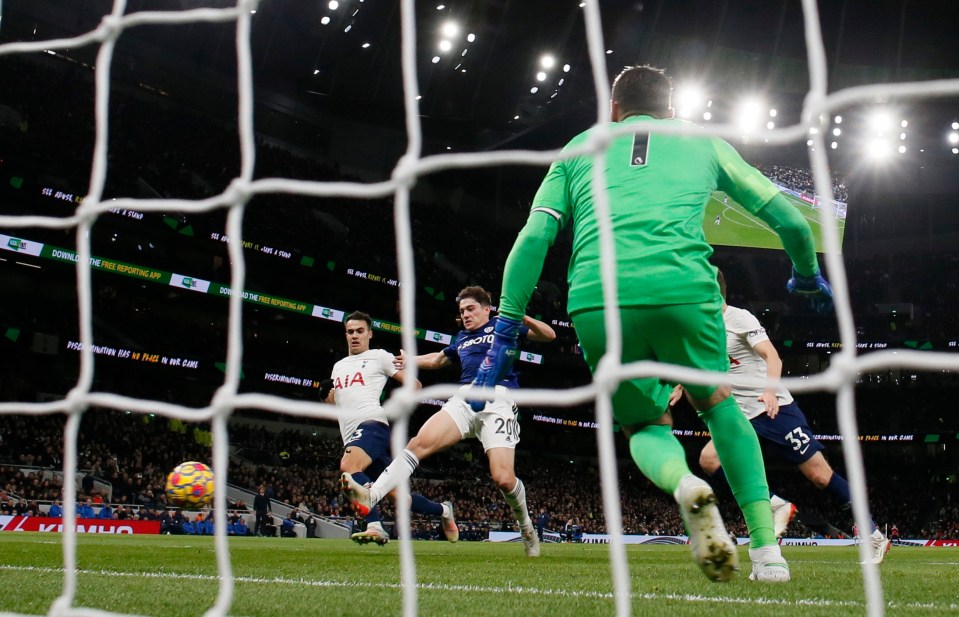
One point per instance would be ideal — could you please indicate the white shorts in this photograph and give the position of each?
(495, 426)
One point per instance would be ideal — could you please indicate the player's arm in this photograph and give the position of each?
(774, 370)
(429, 361)
(539, 332)
(401, 377)
(525, 263)
(550, 212)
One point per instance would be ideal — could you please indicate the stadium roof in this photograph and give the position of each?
(480, 62)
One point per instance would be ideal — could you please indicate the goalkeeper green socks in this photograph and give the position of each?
(738, 449)
(659, 455)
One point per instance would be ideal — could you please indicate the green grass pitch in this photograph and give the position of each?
(173, 576)
(739, 228)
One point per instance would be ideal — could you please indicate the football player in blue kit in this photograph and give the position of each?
(494, 425)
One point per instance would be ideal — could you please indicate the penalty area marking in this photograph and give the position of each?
(510, 589)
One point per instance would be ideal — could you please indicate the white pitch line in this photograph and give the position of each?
(519, 589)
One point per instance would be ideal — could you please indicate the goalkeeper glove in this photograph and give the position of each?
(500, 357)
(815, 287)
(325, 386)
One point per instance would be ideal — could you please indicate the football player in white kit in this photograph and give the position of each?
(357, 384)
(778, 420)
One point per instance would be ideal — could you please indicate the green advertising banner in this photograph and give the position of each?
(38, 249)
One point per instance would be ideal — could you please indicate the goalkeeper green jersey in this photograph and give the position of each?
(658, 187)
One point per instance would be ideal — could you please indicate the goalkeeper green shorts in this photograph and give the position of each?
(692, 335)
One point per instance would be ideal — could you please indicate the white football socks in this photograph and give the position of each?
(399, 471)
(516, 499)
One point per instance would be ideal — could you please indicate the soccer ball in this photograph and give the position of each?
(190, 485)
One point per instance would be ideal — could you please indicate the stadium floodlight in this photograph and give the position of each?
(689, 99)
(541, 76)
(566, 68)
(837, 119)
(436, 59)
(902, 149)
(440, 7)
(954, 138)
(547, 61)
(325, 20)
(707, 116)
(955, 126)
(955, 150)
(809, 142)
(365, 45)
(334, 5)
(770, 125)
(902, 137)
(450, 29)
(470, 37)
(834, 145)
(515, 117)
(878, 150)
(445, 45)
(880, 121)
(773, 112)
(533, 90)
(904, 123)
(837, 131)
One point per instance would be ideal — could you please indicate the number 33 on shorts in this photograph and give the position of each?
(798, 439)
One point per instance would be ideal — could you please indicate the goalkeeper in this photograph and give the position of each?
(658, 187)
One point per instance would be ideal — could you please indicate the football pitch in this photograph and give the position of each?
(174, 576)
(737, 227)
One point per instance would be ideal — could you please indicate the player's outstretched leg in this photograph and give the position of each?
(450, 528)
(713, 549)
(374, 533)
(358, 494)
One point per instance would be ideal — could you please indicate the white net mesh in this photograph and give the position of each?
(840, 377)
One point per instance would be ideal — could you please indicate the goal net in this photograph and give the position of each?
(840, 378)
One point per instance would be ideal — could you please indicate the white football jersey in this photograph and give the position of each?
(743, 332)
(358, 383)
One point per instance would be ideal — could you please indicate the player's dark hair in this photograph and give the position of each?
(643, 90)
(722, 283)
(474, 292)
(359, 316)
